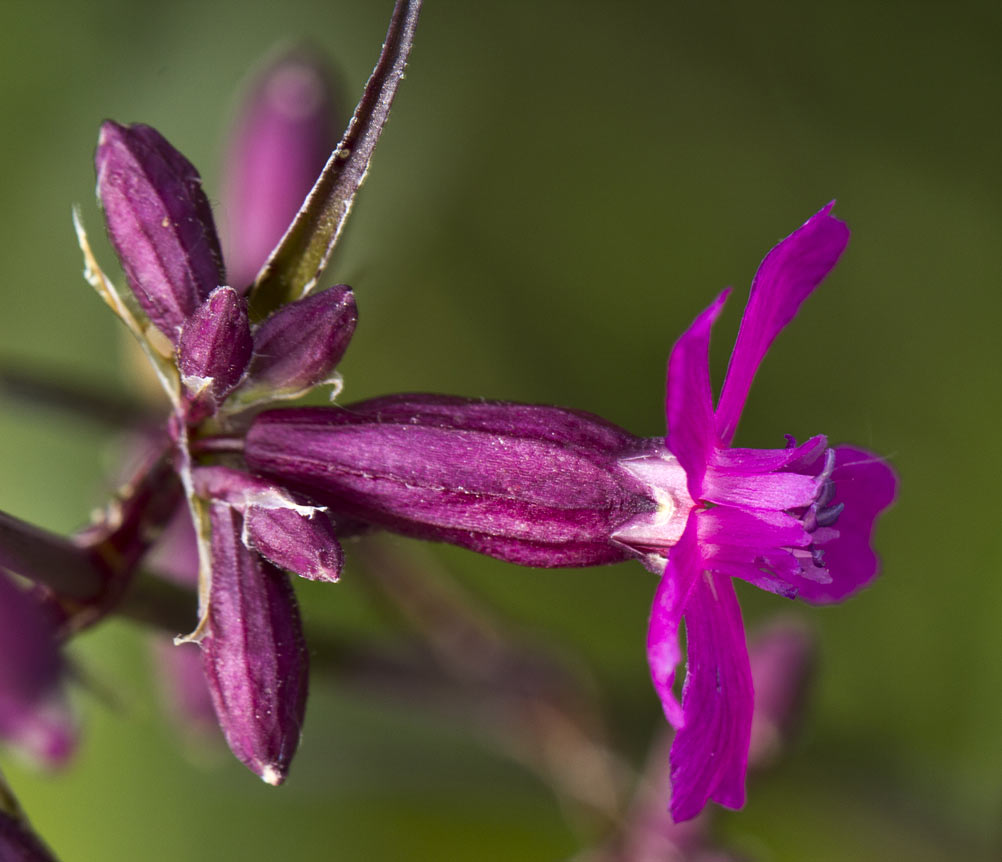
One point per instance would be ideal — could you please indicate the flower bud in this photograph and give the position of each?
(253, 654)
(159, 222)
(533, 485)
(299, 346)
(214, 349)
(291, 535)
(281, 142)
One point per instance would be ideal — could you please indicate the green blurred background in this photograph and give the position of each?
(562, 186)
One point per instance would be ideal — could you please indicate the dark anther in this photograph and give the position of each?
(825, 495)
(827, 517)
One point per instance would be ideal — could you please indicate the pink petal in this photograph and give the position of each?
(786, 277)
(709, 757)
(663, 653)
(689, 400)
(867, 486)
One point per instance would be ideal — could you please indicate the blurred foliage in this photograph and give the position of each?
(561, 187)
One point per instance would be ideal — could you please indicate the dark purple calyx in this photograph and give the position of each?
(159, 222)
(533, 485)
(253, 653)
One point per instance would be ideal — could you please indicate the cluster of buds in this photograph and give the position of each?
(222, 352)
(268, 489)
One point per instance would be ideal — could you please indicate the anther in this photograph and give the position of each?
(827, 517)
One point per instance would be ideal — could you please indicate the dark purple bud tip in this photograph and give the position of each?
(299, 346)
(303, 544)
(159, 222)
(292, 534)
(214, 350)
(253, 655)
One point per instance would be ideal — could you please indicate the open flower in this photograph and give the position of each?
(545, 486)
(795, 521)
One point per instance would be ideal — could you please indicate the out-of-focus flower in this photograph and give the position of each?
(34, 715)
(782, 658)
(286, 130)
(542, 486)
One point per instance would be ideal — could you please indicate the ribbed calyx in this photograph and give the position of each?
(534, 485)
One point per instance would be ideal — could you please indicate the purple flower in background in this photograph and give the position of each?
(285, 132)
(33, 712)
(796, 521)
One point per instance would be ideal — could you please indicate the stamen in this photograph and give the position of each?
(826, 474)
(825, 495)
(828, 517)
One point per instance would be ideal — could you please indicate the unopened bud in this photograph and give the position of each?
(214, 349)
(300, 345)
(289, 533)
(159, 222)
(253, 653)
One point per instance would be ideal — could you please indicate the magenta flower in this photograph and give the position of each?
(796, 521)
(545, 486)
